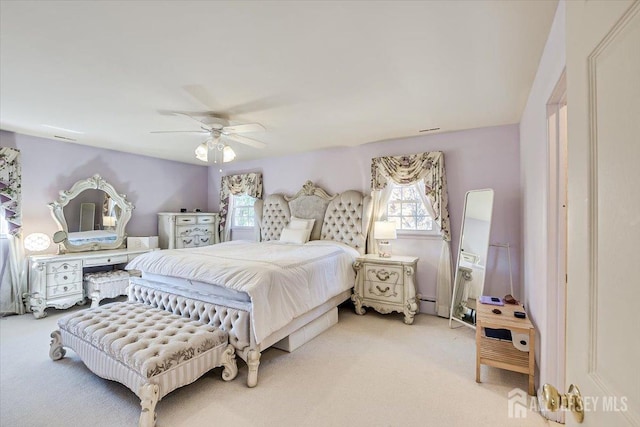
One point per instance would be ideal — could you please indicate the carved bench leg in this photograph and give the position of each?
(56, 352)
(95, 299)
(229, 362)
(148, 399)
(253, 360)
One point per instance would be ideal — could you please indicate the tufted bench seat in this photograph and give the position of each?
(107, 284)
(151, 351)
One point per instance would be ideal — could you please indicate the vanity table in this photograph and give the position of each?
(92, 218)
(57, 280)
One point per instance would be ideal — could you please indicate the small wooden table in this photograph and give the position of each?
(503, 354)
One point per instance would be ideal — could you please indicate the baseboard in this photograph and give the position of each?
(309, 331)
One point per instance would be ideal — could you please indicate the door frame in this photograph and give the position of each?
(556, 218)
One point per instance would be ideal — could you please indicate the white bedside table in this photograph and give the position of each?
(386, 285)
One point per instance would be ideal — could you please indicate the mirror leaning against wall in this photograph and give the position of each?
(472, 256)
(91, 216)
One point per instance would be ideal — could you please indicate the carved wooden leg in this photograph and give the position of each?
(229, 362)
(56, 351)
(95, 299)
(148, 399)
(37, 306)
(410, 310)
(253, 360)
(357, 301)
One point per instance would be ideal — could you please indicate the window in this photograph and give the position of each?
(243, 215)
(406, 208)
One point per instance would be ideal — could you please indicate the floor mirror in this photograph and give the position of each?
(472, 256)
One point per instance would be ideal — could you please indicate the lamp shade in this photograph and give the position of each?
(202, 152)
(228, 154)
(37, 242)
(384, 230)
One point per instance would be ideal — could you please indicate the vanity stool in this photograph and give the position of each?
(151, 351)
(107, 284)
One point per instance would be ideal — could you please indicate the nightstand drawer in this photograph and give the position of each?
(386, 292)
(64, 289)
(107, 260)
(64, 266)
(388, 275)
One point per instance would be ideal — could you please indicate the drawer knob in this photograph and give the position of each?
(66, 288)
(65, 278)
(382, 291)
(108, 259)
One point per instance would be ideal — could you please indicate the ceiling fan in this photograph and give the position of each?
(220, 130)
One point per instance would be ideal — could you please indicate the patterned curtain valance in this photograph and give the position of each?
(10, 188)
(428, 167)
(247, 183)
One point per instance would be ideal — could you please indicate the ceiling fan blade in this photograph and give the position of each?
(202, 124)
(247, 141)
(179, 131)
(248, 127)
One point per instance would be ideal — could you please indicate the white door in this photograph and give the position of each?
(603, 289)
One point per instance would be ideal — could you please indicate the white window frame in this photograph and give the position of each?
(235, 209)
(433, 233)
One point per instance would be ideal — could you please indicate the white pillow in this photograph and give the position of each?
(295, 235)
(297, 223)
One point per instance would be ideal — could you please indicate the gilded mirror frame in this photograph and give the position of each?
(66, 196)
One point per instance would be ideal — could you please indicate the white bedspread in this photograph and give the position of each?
(283, 280)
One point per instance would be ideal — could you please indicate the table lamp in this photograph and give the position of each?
(383, 232)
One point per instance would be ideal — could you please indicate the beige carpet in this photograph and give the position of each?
(370, 370)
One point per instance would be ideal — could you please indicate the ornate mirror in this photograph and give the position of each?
(92, 215)
(472, 256)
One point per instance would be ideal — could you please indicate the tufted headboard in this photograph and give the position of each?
(343, 218)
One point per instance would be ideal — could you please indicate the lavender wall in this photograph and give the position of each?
(152, 185)
(477, 158)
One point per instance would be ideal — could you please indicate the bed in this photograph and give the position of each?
(266, 291)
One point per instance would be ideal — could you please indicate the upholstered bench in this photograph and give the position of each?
(151, 351)
(107, 284)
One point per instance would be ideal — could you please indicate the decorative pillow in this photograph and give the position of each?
(295, 235)
(297, 223)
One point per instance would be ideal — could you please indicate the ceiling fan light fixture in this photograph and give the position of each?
(228, 154)
(202, 152)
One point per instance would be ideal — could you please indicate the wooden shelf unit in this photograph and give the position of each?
(502, 354)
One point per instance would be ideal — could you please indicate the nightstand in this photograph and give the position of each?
(386, 285)
(503, 354)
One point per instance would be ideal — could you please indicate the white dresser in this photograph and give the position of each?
(187, 230)
(57, 280)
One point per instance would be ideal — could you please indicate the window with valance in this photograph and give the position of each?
(249, 184)
(427, 170)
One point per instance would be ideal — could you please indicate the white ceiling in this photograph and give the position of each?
(315, 74)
